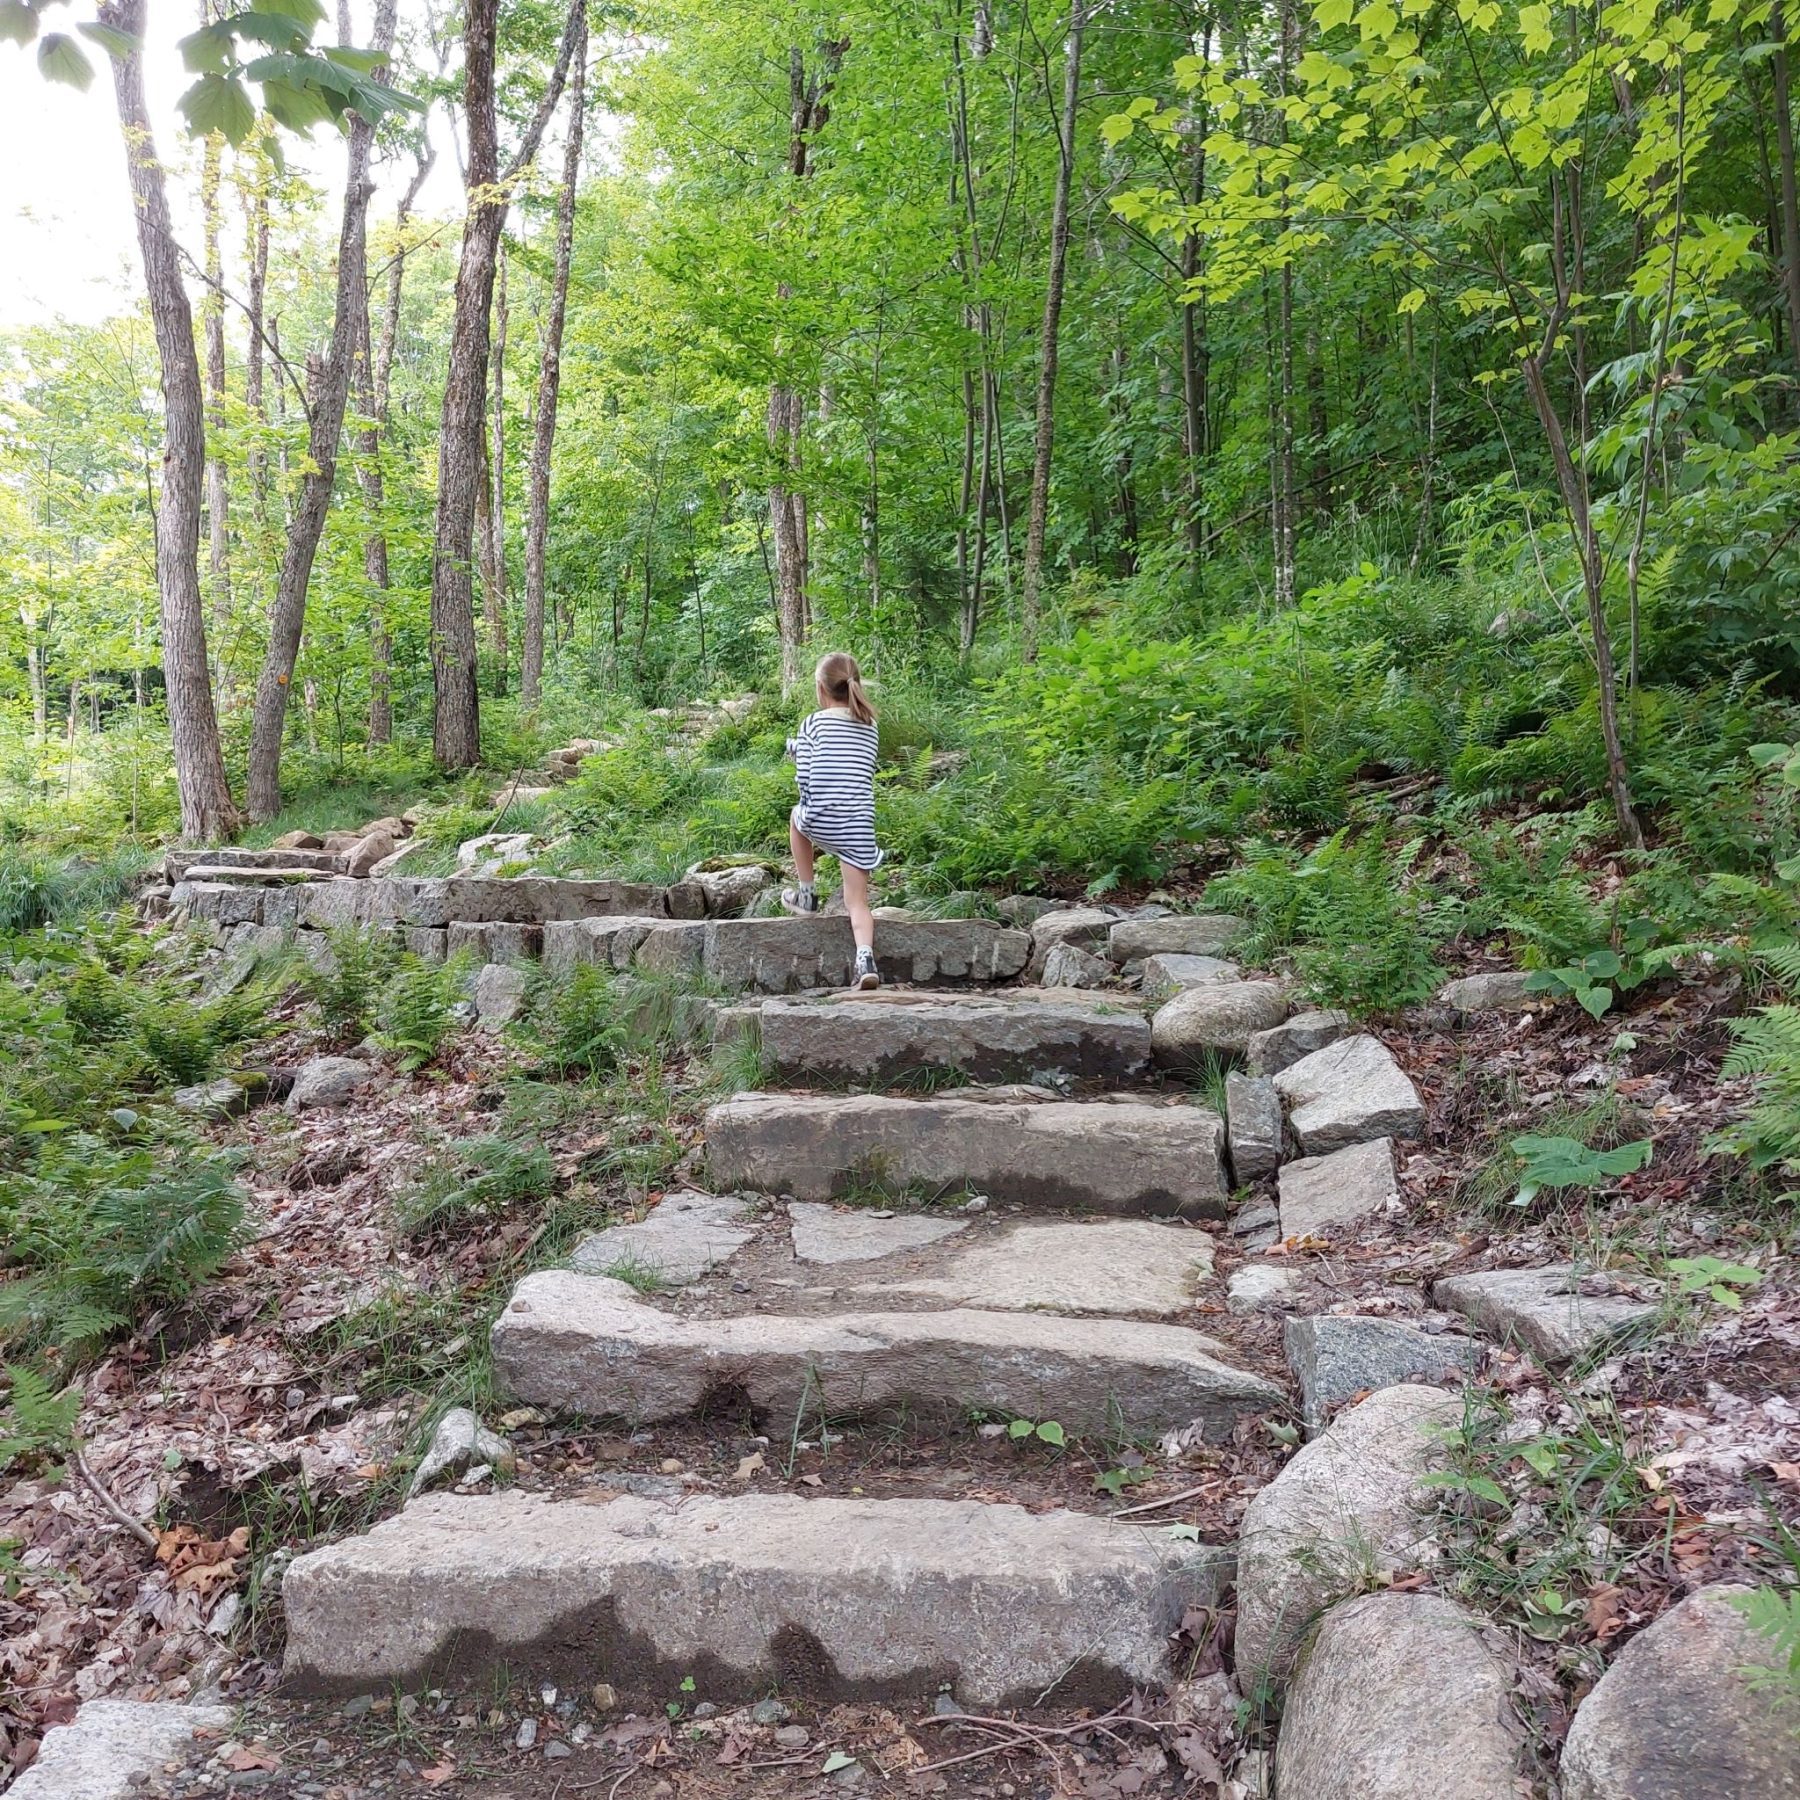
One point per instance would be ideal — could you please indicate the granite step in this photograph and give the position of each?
(594, 1346)
(1022, 1034)
(1125, 1156)
(829, 1599)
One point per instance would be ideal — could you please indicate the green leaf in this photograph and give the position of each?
(1594, 1000)
(1020, 1428)
(1330, 13)
(1411, 302)
(219, 103)
(117, 44)
(1603, 965)
(62, 59)
(207, 51)
(1052, 1433)
(298, 108)
(18, 22)
(303, 12)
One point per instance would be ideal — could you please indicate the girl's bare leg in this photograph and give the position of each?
(856, 903)
(801, 847)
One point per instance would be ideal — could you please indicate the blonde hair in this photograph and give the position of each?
(839, 680)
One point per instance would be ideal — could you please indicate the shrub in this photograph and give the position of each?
(419, 1009)
(573, 1023)
(346, 986)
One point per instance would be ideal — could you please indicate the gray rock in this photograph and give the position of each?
(1082, 926)
(494, 850)
(1336, 1355)
(1023, 910)
(223, 902)
(499, 995)
(522, 900)
(112, 1749)
(1089, 1266)
(1068, 965)
(835, 1234)
(1259, 1287)
(1319, 1192)
(327, 1081)
(606, 943)
(1214, 1020)
(1399, 1698)
(727, 892)
(1038, 1151)
(683, 1237)
(1281, 1046)
(492, 942)
(1023, 1035)
(225, 1098)
(1253, 1126)
(677, 948)
(331, 905)
(814, 1596)
(584, 1344)
(460, 1442)
(1544, 1309)
(1680, 1715)
(432, 944)
(789, 955)
(1348, 1093)
(1181, 934)
(1501, 991)
(369, 851)
(1346, 1508)
(1167, 976)
(1257, 1224)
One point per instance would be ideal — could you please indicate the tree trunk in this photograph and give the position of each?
(207, 810)
(456, 710)
(326, 400)
(257, 249)
(1038, 518)
(493, 592)
(218, 499)
(537, 505)
(1790, 204)
(1282, 509)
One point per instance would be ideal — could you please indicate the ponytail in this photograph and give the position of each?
(840, 681)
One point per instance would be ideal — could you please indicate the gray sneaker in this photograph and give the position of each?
(866, 977)
(797, 900)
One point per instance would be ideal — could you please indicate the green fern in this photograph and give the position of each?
(418, 1013)
(37, 1421)
(1768, 1048)
(1774, 1613)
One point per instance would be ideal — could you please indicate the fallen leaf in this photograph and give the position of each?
(749, 1465)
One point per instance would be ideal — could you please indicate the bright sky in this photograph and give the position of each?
(67, 243)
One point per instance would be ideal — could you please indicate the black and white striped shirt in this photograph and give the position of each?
(834, 763)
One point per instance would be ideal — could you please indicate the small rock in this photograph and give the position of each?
(1320, 1192)
(1269, 1052)
(298, 840)
(793, 1737)
(324, 1081)
(368, 851)
(556, 1750)
(527, 1734)
(1544, 1309)
(707, 1709)
(499, 995)
(1068, 965)
(460, 1442)
(1501, 991)
(672, 1465)
(493, 850)
(1023, 909)
(1208, 1701)
(1348, 1093)
(1253, 1126)
(1335, 1355)
(770, 1712)
(1167, 976)
(1257, 1287)
(1080, 926)
(1176, 934)
(605, 1696)
(225, 1098)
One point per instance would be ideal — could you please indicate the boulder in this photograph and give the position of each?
(1348, 1093)
(604, 943)
(1348, 1507)
(493, 850)
(1069, 966)
(324, 1081)
(1130, 941)
(377, 847)
(493, 943)
(1269, 1052)
(784, 956)
(225, 1098)
(1337, 1355)
(1500, 991)
(1082, 926)
(1545, 1309)
(575, 1343)
(1024, 1147)
(822, 1597)
(683, 1237)
(1319, 1192)
(117, 1749)
(728, 892)
(1253, 1126)
(1214, 1020)
(460, 1442)
(298, 840)
(499, 995)
(1023, 909)
(1681, 1713)
(677, 948)
(1167, 976)
(1398, 1697)
(331, 905)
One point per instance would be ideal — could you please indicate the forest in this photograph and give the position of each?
(1332, 467)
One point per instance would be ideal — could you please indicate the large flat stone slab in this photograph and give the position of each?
(1347, 1093)
(1399, 1697)
(1184, 934)
(841, 1234)
(1679, 1716)
(1124, 1158)
(1544, 1309)
(607, 943)
(1108, 1266)
(112, 1749)
(179, 865)
(1337, 1355)
(787, 956)
(1349, 1506)
(588, 1345)
(830, 1599)
(525, 900)
(684, 1236)
(1022, 1035)
(1319, 1193)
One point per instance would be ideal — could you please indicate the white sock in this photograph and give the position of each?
(805, 890)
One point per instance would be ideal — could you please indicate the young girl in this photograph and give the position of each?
(834, 763)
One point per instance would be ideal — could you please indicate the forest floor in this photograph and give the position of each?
(286, 1407)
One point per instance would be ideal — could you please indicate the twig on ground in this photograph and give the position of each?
(136, 1527)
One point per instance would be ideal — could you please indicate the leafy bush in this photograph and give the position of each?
(573, 1024)
(37, 1423)
(347, 985)
(418, 1012)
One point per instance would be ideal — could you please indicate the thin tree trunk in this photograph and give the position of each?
(1282, 512)
(218, 501)
(257, 249)
(493, 593)
(543, 440)
(207, 810)
(1044, 442)
(456, 710)
(1790, 203)
(327, 397)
